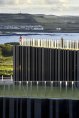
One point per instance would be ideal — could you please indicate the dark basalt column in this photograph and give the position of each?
(45, 64)
(38, 108)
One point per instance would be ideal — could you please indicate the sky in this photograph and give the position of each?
(55, 7)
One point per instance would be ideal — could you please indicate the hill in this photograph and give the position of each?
(38, 22)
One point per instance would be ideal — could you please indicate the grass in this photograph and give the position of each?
(6, 65)
(38, 92)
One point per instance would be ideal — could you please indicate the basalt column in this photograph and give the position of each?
(45, 64)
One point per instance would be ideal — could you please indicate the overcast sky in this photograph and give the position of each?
(58, 7)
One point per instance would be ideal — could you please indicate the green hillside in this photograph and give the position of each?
(6, 59)
(50, 23)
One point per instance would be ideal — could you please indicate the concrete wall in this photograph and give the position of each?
(38, 108)
(45, 64)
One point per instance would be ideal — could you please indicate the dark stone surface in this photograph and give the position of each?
(38, 108)
(45, 64)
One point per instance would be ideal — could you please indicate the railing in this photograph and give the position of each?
(50, 43)
(3, 78)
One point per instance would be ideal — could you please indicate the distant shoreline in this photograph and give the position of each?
(33, 33)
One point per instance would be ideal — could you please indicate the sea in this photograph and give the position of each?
(54, 36)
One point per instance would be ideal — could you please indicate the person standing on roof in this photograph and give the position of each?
(21, 40)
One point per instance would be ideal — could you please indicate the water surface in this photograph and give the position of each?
(56, 36)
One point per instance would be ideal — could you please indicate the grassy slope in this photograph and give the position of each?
(6, 65)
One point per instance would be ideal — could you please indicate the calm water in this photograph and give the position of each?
(15, 38)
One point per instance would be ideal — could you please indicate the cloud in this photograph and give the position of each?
(38, 1)
(64, 1)
(40, 6)
(34, 2)
(9, 2)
